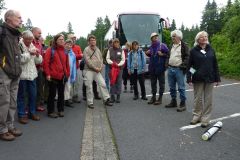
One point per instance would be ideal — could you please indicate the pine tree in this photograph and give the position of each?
(69, 28)
(173, 25)
(28, 25)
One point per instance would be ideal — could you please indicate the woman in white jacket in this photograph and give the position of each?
(29, 57)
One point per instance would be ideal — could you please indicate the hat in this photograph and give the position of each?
(115, 40)
(70, 36)
(153, 35)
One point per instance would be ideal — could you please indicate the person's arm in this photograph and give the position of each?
(46, 63)
(87, 54)
(122, 59)
(109, 61)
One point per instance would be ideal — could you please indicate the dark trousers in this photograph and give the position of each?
(125, 76)
(55, 86)
(40, 88)
(140, 78)
(161, 81)
(95, 92)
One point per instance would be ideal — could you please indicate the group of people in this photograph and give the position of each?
(28, 72)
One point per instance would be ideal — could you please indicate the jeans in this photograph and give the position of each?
(176, 76)
(140, 78)
(107, 81)
(30, 88)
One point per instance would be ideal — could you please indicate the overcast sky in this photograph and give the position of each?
(52, 16)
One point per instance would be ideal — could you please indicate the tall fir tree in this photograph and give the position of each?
(173, 25)
(69, 28)
(28, 25)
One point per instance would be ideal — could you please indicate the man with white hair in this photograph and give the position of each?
(177, 66)
(10, 71)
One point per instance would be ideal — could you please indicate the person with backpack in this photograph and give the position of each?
(136, 69)
(56, 68)
(10, 71)
(158, 53)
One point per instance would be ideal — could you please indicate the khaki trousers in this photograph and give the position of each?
(203, 94)
(88, 78)
(8, 101)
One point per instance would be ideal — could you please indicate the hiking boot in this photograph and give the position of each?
(195, 120)
(181, 107)
(15, 132)
(108, 102)
(91, 106)
(7, 136)
(159, 101)
(112, 98)
(152, 101)
(61, 114)
(34, 117)
(23, 120)
(172, 104)
(125, 89)
(118, 98)
(53, 115)
(135, 97)
(68, 104)
(144, 98)
(204, 124)
(131, 89)
(97, 97)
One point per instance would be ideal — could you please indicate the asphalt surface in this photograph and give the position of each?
(140, 131)
(48, 139)
(149, 132)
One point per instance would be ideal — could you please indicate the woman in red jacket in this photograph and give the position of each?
(56, 68)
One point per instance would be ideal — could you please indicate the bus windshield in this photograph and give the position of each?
(139, 26)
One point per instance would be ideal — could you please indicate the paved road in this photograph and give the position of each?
(148, 132)
(140, 131)
(48, 139)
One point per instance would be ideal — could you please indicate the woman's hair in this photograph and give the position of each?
(199, 34)
(128, 45)
(55, 38)
(27, 34)
(178, 33)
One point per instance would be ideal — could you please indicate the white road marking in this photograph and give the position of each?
(190, 90)
(212, 121)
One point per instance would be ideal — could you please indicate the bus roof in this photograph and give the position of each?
(135, 13)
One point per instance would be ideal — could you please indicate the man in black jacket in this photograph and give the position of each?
(10, 71)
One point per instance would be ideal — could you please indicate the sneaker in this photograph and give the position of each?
(40, 108)
(34, 117)
(7, 136)
(15, 132)
(91, 106)
(53, 115)
(23, 120)
(108, 102)
(61, 114)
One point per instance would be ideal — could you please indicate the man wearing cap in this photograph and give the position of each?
(158, 53)
(78, 53)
